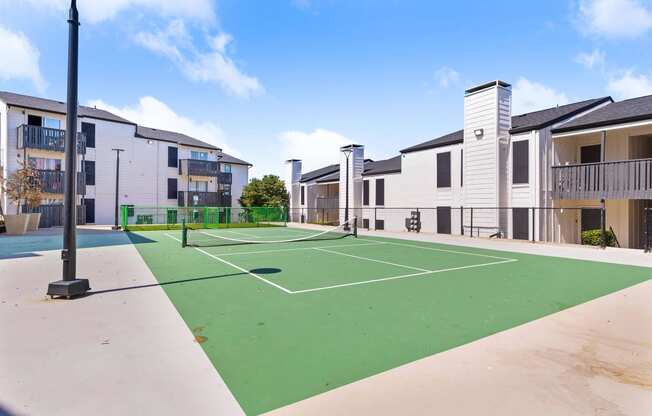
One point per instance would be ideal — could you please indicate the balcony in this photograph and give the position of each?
(45, 138)
(225, 177)
(53, 181)
(622, 179)
(203, 199)
(194, 167)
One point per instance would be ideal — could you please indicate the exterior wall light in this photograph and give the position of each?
(478, 132)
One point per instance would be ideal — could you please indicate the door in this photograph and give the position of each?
(444, 220)
(590, 219)
(90, 210)
(520, 223)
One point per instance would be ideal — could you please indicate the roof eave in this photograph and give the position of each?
(433, 146)
(605, 123)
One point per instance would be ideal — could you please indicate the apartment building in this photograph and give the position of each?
(486, 177)
(158, 168)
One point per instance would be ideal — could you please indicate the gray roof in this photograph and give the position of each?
(391, 165)
(544, 118)
(59, 107)
(173, 137)
(379, 167)
(626, 111)
(318, 173)
(448, 139)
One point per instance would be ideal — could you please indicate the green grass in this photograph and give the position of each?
(273, 348)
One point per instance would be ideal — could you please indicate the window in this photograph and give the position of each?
(444, 170)
(380, 191)
(89, 168)
(198, 155)
(42, 163)
(33, 120)
(303, 195)
(172, 188)
(591, 154)
(198, 186)
(520, 162)
(51, 123)
(225, 167)
(88, 129)
(173, 157)
(365, 192)
(461, 167)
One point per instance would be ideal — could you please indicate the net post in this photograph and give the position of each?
(184, 234)
(355, 227)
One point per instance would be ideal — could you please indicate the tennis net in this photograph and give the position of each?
(263, 235)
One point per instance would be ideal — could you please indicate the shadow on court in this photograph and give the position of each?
(174, 282)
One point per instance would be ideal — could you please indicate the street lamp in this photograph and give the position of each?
(70, 286)
(117, 185)
(347, 152)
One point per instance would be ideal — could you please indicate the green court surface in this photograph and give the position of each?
(282, 322)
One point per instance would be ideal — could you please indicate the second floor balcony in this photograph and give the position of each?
(53, 181)
(621, 179)
(195, 167)
(46, 138)
(203, 199)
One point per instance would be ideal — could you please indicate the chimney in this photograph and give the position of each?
(292, 178)
(355, 168)
(487, 119)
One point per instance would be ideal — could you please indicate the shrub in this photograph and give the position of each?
(594, 238)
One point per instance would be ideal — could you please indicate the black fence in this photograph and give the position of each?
(518, 223)
(52, 215)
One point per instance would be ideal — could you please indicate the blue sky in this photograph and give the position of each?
(274, 79)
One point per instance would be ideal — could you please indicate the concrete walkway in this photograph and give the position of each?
(122, 350)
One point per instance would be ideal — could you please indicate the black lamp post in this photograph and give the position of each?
(117, 186)
(347, 152)
(70, 286)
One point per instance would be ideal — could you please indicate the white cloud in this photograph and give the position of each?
(95, 11)
(150, 112)
(528, 96)
(212, 66)
(446, 76)
(614, 18)
(20, 59)
(595, 59)
(315, 149)
(629, 85)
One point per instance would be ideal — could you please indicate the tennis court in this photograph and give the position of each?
(284, 321)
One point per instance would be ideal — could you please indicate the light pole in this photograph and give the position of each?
(347, 152)
(70, 286)
(117, 185)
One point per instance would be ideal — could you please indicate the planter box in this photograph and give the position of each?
(16, 224)
(34, 220)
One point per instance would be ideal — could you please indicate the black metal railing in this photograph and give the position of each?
(203, 199)
(46, 138)
(53, 181)
(622, 179)
(198, 167)
(225, 177)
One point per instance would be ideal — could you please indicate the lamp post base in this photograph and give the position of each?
(68, 288)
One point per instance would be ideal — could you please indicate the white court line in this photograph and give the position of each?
(441, 249)
(281, 250)
(370, 259)
(237, 267)
(364, 282)
(234, 232)
(383, 279)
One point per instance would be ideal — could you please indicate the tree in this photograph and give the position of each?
(267, 192)
(23, 186)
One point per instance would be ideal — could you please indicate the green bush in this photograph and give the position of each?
(594, 238)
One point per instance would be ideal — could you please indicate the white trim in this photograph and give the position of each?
(604, 128)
